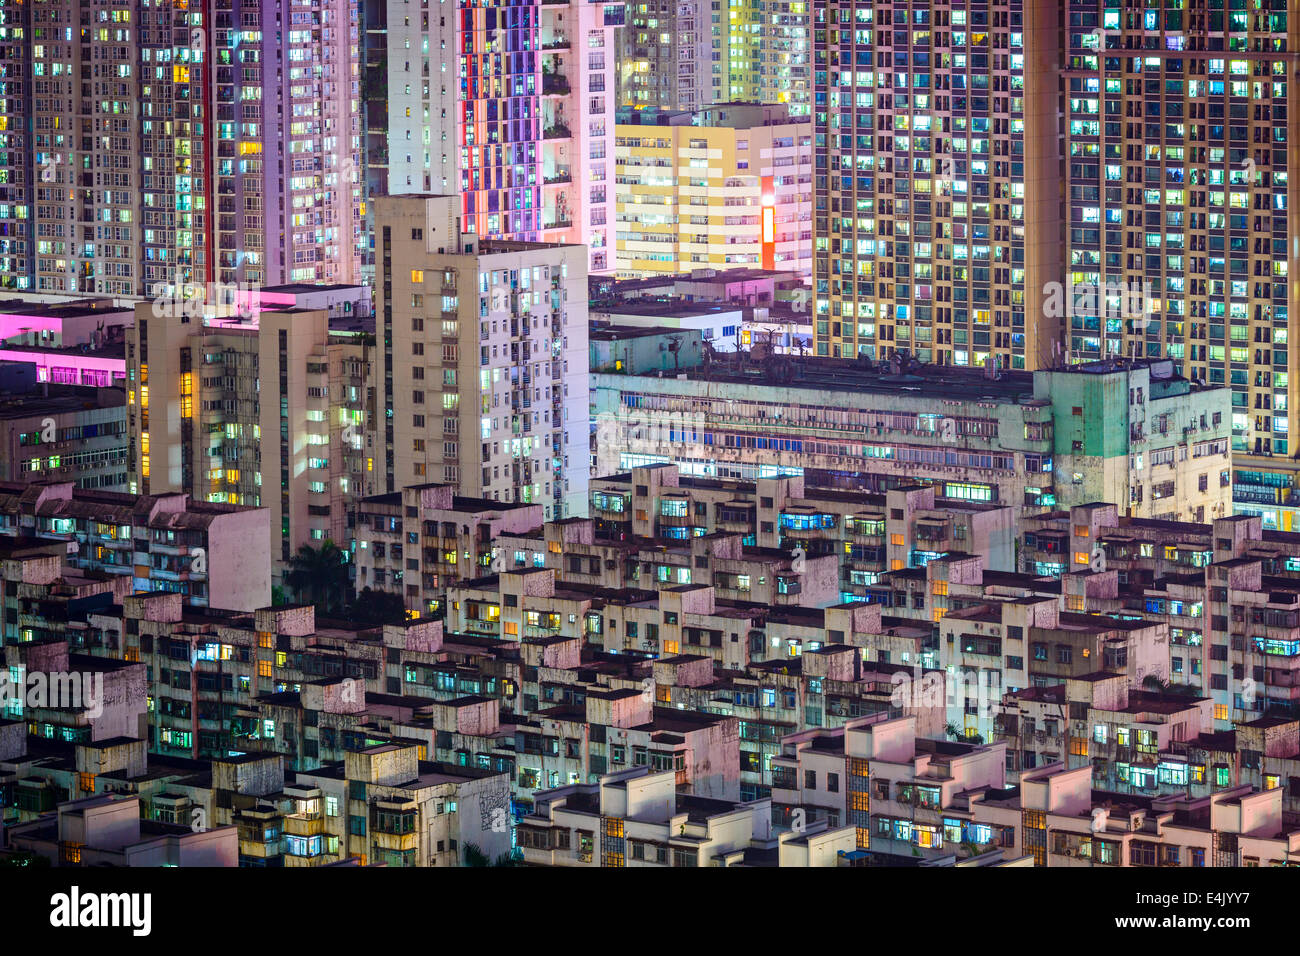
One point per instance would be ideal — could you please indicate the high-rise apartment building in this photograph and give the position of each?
(937, 180)
(664, 57)
(959, 218)
(689, 54)
(266, 413)
(726, 186)
(763, 47)
(511, 105)
(1177, 130)
(481, 367)
(148, 143)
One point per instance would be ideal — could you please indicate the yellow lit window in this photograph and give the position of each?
(144, 465)
(417, 275)
(939, 613)
(1222, 712)
(281, 658)
(86, 782)
(1271, 781)
(1079, 746)
(896, 540)
(265, 639)
(263, 668)
(1081, 557)
(672, 647)
(1081, 531)
(896, 564)
(939, 588)
(510, 627)
(132, 654)
(1074, 602)
(553, 547)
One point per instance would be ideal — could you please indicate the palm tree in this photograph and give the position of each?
(1153, 683)
(318, 575)
(475, 856)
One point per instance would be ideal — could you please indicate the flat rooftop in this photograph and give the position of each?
(865, 377)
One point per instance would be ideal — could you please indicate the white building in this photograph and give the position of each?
(481, 367)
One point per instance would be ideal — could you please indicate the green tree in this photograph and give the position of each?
(473, 856)
(319, 576)
(1153, 683)
(373, 608)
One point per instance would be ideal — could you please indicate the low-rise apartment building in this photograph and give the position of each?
(637, 817)
(979, 435)
(109, 831)
(420, 540)
(385, 805)
(72, 433)
(215, 555)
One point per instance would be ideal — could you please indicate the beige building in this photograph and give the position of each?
(727, 186)
(418, 541)
(266, 413)
(482, 367)
(385, 805)
(638, 818)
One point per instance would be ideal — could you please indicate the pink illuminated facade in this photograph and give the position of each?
(521, 124)
(72, 367)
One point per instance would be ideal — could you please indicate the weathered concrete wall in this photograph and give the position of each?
(258, 776)
(689, 671)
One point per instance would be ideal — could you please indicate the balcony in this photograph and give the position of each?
(557, 131)
(931, 530)
(561, 174)
(553, 85)
(304, 824)
(401, 842)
